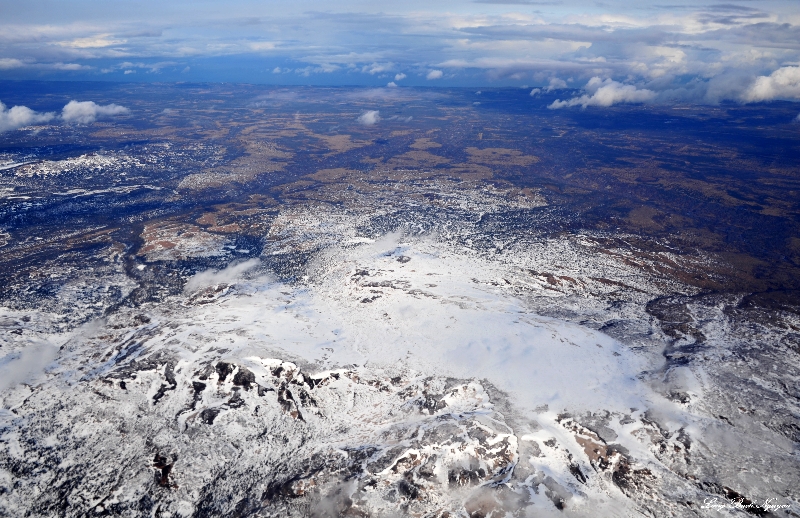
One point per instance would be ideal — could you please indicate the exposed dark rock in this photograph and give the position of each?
(171, 384)
(407, 489)
(577, 473)
(224, 369)
(465, 477)
(164, 466)
(630, 480)
(263, 391)
(236, 400)
(244, 378)
(209, 414)
(288, 404)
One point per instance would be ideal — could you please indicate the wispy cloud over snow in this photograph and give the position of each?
(85, 112)
(20, 116)
(606, 93)
(26, 364)
(227, 275)
(369, 118)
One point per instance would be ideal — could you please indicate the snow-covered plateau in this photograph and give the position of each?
(405, 375)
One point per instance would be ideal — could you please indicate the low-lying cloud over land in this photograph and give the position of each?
(369, 118)
(76, 112)
(85, 112)
(606, 93)
(782, 84)
(20, 116)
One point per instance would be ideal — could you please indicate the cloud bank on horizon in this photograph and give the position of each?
(705, 51)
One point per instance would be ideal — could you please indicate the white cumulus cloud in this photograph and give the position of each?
(85, 112)
(391, 84)
(399, 77)
(20, 116)
(369, 118)
(783, 83)
(376, 68)
(606, 93)
(434, 74)
(555, 84)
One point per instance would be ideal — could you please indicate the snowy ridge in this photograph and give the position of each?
(93, 162)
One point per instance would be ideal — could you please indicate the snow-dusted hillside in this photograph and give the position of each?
(403, 376)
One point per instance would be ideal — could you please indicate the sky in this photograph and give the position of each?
(611, 51)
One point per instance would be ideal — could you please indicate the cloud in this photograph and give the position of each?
(658, 48)
(20, 116)
(65, 66)
(85, 112)
(369, 118)
(151, 68)
(797, 119)
(391, 84)
(74, 112)
(26, 365)
(555, 84)
(783, 83)
(516, 2)
(225, 276)
(322, 69)
(376, 68)
(9, 63)
(434, 74)
(97, 41)
(606, 93)
(262, 45)
(13, 63)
